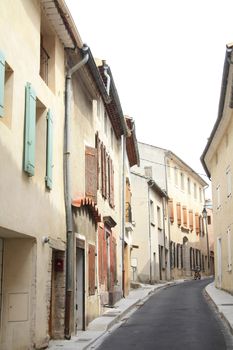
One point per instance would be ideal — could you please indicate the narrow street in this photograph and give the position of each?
(175, 318)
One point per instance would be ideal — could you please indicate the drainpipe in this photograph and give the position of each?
(169, 223)
(67, 190)
(149, 227)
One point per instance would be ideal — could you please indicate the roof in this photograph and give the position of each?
(131, 143)
(225, 74)
(60, 17)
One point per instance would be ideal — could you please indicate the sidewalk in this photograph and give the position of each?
(99, 326)
(223, 302)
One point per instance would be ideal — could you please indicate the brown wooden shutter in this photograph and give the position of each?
(91, 269)
(103, 170)
(191, 219)
(111, 182)
(105, 173)
(178, 213)
(112, 263)
(91, 173)
(97, 146)
(171, 210)
(184, 209)
(100, 253)
(105, 259)
(197, 223)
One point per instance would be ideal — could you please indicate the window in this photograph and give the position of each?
(106, 123)
(184, 210)
(229, 179)
(111, 182)
(6, 91)
(209, 219)
(195, 190)
(229, 262)
(171, 210)
(188, 185)
(176, 175)
(182, 181)
(190, 219)
(152, 214)
(91, 173)
(29, 131)
(47, 53)
(197, 223)
(178, 213)
(91, 269)
(159, 217)
(218, 197)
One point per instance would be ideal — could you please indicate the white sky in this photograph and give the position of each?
(166, 57)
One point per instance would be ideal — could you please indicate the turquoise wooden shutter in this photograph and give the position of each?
(2, 83)
(29, 130)
(49, 151)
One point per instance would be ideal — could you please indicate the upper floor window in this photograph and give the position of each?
(176, 175)
(229, 179)
(159, 217)
(182, 181)
(152, 213)
(188, 185)
(195, 190)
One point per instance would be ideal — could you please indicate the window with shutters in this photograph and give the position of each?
(188, 185)
(98, 150)
(91, 173)
(103, 171)
(171, 210)
(91, 269)
(182, 181)
(176, 176)
(184, 210)
(152, 213)
(47, 53)
(178, 213)
(6, 91)
(190, 219)
(195, 190)
(101, 254)
(111, 182)
(197, 223)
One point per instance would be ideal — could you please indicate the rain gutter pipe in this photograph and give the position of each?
(67, 189)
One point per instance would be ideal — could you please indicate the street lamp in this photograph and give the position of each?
(204, 214)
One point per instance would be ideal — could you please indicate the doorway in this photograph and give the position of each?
(80, 287)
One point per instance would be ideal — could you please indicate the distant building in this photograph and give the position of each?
(185, 246)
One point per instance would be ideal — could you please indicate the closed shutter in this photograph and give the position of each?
(91, 269)
(111, 182)
(90, 174)
(184, 216)
(190, 219)
(29, 130)
(49, 151)
(178, 212)
(105, 259)
(2, 83)
(100, 253)
(105, 172)
(171, 210)
(97, 146)
(197, 223)
(102, 169)
(112, 262)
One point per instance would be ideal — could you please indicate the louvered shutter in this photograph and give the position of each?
(184, 209)
(30, 130)
(112, 263)
(197, 223)
(105, 173)
(91, 269)
(2, 83)
(90, 173)
(178, 212)
(105, 260)
(97, 146)
(171, 210)
(112, 183)
(190, 219)
(100, 253)
(49, 151)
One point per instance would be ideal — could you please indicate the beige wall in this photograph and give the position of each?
(28, 210)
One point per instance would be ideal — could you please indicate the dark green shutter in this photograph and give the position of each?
(2, 83)
(29, 130)
(49, 151)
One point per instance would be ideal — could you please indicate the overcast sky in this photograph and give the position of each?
(166, 57)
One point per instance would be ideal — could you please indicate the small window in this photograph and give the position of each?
(182, 181)
(188, 185)
(176, 175)
(195, 190)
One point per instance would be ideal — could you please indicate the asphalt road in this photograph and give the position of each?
(175, 318)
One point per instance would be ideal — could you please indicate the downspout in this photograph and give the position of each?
(149, 227)
(123, 150)
(67, 190)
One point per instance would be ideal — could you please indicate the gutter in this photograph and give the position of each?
(67, 194)
(225, 74)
